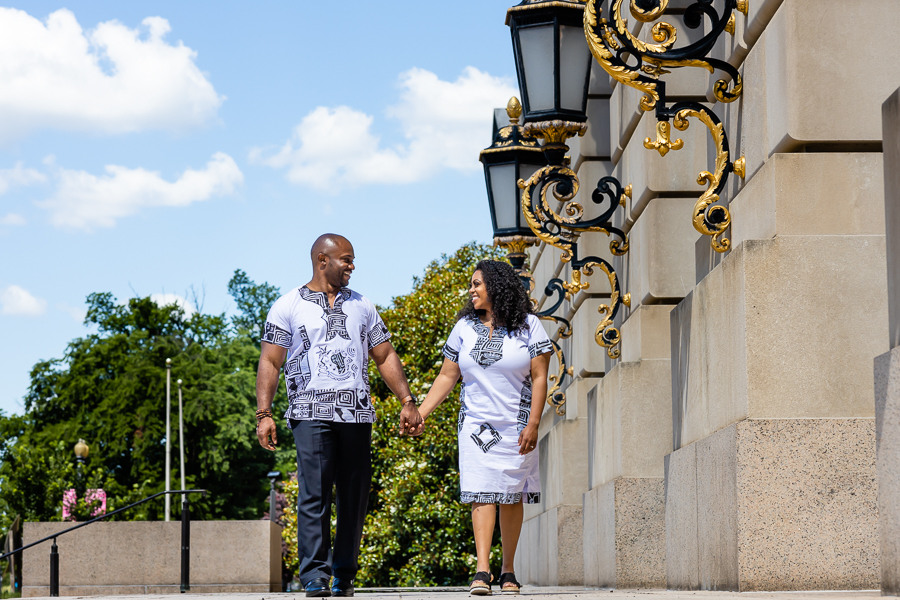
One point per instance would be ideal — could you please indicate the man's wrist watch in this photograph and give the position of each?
(410, 398)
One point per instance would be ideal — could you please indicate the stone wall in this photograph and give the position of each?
(733, 444)
(144, 557)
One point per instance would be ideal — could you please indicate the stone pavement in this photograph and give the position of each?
(544, 593)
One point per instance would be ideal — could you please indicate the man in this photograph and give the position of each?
(327, 334)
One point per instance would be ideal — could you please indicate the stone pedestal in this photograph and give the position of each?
(774, 504)
(887, 420)
(624, 532)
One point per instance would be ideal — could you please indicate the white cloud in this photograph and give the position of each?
(445, 124)
(111, 79)
(86, 201)
(76, 312)
(180, 301)
(12, 219)
(17, 301)
(19, 175)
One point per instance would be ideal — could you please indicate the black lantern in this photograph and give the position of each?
(553, 61)
(511, 157)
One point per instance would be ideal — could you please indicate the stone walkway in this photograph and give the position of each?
(545, 593)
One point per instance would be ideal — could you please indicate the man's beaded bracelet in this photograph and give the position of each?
(262, 413)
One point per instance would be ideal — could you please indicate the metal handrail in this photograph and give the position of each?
(185, 539)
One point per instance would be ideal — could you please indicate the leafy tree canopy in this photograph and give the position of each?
(110, 389)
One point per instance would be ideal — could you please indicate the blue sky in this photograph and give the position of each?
(146, 148)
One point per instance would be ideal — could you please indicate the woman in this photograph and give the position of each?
(502, 353)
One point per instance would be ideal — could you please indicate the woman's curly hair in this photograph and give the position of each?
(510, 303)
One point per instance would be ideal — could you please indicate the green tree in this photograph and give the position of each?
(109, 388)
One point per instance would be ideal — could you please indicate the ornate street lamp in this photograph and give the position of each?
(553, 65)
(509, 158)
(552, 61)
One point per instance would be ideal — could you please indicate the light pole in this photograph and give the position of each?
(181, 433)
(168, 435)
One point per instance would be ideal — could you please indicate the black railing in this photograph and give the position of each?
(185, 539)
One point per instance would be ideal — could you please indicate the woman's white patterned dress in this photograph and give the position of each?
(495, 407)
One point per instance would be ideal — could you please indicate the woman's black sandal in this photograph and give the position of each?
(481, 584)
(509, 578)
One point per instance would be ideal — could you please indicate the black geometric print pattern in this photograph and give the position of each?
(500, 498)
(524, 405)
(488, 349)
(362, 338)
(276, 335)
(296, 371)
(450, 353)
(462, 410)
(378, 335)
(335, 318)
(486, 445)
(343, 406)
(538, 348)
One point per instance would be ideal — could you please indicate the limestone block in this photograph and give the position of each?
(783, 504)
(790, 84)
(659, 266)
(887, 420)
(546, 269)
(891, 131)
(807, 494)
(651, 174)
(646, 333)
(601, 83)
(762, 339)
(624, 115)
(631, 534)
(717, 506)
(830, 193)
(553, 554)
(528, 556)
(563, 463)
(550, 533)
(633, 426)
(586, 355)
(589, 539)
(595, 143)
(682, 563)
(225, 556)
(569, 546)
(576, 396)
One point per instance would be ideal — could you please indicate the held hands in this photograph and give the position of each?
(528, 439)
(265, 428)
(411, 422)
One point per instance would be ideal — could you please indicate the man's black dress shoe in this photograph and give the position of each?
(318, 588)
(342, 587)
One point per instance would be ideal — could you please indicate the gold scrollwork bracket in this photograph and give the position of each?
(555, 398)
(563, 230)
(710, 218)
(610, 41)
